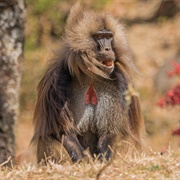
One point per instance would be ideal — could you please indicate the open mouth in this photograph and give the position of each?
(108, 63)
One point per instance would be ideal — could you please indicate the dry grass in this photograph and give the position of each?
(153, 166)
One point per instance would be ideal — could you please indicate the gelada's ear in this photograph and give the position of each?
(75, 14)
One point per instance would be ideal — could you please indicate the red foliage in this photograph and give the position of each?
(172, 97)
(161, 103)
(175, 71)
(176, 132)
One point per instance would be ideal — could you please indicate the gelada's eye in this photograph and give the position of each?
(108, 36)
(99, 36)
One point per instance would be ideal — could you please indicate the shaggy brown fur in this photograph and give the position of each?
(62, 117)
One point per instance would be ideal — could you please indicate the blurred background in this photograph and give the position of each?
(153, 31)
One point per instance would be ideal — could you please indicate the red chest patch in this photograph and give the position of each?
(90, 96)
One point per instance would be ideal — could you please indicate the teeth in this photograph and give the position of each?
(107, 63)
